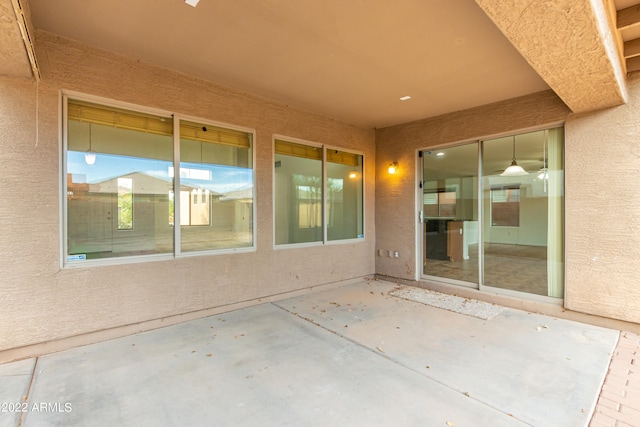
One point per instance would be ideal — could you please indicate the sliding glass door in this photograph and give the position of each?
(522, 199)
(450, 213)
(504, 230)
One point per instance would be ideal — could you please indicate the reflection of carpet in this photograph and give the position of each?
(470, 307)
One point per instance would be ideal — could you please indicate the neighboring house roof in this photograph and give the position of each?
(238, 195)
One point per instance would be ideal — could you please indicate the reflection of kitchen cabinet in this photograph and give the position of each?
(454, 240)
(435, 239)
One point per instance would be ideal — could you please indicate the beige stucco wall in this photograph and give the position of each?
(603, 210)
(42, 302)
(396, 209)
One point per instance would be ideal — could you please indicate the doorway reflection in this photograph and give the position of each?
(450, 213)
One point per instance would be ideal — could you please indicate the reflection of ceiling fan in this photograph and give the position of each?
(543, 173)
(530, 166)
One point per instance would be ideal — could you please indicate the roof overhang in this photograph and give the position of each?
(574, 48)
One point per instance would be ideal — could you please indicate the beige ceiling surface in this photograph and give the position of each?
(351, 60)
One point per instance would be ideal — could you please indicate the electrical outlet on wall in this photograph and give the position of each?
(396, 254)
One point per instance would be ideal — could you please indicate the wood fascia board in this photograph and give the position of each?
(633, 64)
(632, 48)
(628, 17)
(24, 26)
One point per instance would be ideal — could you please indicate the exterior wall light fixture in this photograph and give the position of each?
(393, 168)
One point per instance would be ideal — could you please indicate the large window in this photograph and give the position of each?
(318, 194)
(121, 180)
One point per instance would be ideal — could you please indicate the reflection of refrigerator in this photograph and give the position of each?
(435, 239)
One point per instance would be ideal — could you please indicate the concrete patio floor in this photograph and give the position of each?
(349, 356)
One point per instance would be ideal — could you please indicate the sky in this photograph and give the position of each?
(107, 166)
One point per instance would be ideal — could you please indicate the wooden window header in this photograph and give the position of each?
(125, 119)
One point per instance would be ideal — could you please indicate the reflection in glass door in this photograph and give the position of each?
(450, 214)
(519, 222)
(522, 213)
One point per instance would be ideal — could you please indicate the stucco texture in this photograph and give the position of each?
(573, 39)
(43, 302)
(603, 210)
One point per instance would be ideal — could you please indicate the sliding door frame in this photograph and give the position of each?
(419, 235)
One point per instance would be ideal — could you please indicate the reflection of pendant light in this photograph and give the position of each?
(90, 155)
(514, 169)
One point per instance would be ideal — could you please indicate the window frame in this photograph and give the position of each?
(325, 240)
(67, 261)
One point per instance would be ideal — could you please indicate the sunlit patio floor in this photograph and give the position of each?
(348, 356)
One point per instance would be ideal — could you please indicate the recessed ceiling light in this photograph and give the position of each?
(405, 98)
(193, 3)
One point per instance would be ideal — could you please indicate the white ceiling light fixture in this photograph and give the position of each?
(90, 155)
(192, 3)
(514, 169)
(405, 98)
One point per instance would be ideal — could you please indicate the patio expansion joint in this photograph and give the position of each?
(28, 394)
(380, 353)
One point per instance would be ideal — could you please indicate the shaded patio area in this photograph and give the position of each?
(350, 356)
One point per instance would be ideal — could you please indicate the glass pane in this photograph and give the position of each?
(118, 183)
(216, 188)
(298, 193)
(125, 204)
(344, 196)
(450, 210)
(523, 213)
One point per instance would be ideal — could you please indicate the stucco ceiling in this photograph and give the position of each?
(350, 60)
